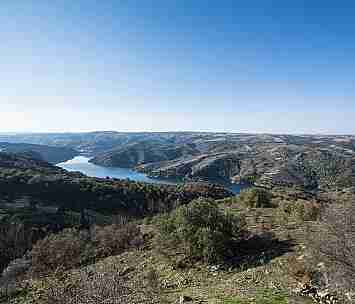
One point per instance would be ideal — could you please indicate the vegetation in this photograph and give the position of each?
(265, 296)
(14, 242)
(20, 228)
(74, 248)
(201, 230)
(85, 287)
(297, 211)
(131, 155)
(37, 198)
(256, 198)
(74, 239)
(45, 184)
(332, 245)
(50, 154)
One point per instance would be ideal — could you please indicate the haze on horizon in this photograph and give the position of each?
(227, 65)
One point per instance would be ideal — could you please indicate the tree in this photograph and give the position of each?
(202, 230)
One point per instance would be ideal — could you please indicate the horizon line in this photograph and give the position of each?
(180, 131)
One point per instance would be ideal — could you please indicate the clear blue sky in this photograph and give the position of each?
(238, 66)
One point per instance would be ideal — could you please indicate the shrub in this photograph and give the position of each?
(201, 230)
(114, 239)
(15, 240)
(72, 248)
(298, 211)
(256, 198)
(333, 244)
(68, 249)
(83, 288)
(301, 270)
(92, 285)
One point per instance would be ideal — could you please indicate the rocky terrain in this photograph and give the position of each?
(67, 237)
(310, 166)
(312, 162)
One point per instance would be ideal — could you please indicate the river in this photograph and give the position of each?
(82, 164)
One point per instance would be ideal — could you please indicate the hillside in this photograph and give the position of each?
(268, 166)
(20, 175)
(41, 197)
(49, 154)
(312, 162)
(265, 267)
(131, 155)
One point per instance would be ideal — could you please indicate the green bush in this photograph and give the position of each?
(256, 198)
(201, 230)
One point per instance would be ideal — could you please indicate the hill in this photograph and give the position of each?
(266, 265)
(40, 198)
(133, 154)
(316, 162)
(49, 154)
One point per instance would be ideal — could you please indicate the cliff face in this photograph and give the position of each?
(222, 166)
(206, 167)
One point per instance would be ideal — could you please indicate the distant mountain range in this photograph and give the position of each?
(308, 161)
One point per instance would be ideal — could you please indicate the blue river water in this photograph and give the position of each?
(82, 164)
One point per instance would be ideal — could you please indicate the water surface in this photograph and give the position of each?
(82, 164)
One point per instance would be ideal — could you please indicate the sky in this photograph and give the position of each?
(177, 65)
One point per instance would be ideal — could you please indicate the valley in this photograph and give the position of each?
(177, 152)
(313, 162)
(152, 217)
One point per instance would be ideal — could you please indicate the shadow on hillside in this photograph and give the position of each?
(258, 250)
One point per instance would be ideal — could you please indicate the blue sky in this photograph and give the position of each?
(236, 66)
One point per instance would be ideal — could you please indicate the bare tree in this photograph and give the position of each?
(333, 246)
(15, 240)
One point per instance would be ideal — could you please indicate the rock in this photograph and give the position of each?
(214, 268)
(184, 299)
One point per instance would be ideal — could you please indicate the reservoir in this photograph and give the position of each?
(82, 164)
